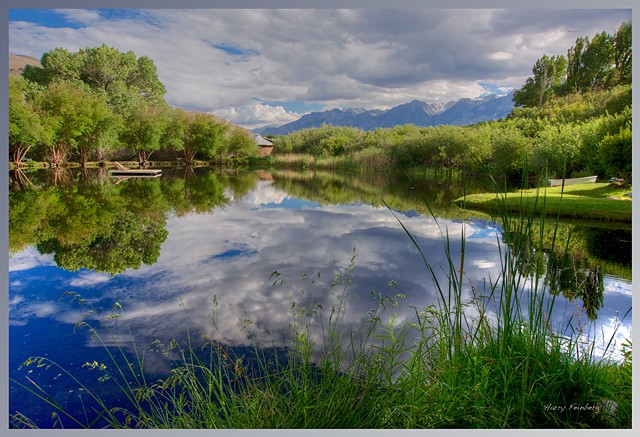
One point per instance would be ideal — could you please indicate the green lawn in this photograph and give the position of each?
(600, 201)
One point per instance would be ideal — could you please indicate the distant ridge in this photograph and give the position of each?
(459, 113)
(18, 62)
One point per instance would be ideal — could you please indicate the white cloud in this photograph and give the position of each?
(265, 193)
(617, 286)
(28, 259)
(81, 16)
(257, 115)
(483, 264)
(88, 279)
(20, 310)
(500, 56)
(365, 58)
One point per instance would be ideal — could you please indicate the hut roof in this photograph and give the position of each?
(262, 141)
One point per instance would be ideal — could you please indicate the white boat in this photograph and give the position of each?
(123, 171)
(573, 181)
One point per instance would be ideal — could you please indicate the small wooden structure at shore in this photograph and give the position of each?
(265, 147)
(122, 171)
(573, 181)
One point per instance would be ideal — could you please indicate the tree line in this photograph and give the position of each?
(99, 103)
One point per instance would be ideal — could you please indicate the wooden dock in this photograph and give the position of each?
(149, 173)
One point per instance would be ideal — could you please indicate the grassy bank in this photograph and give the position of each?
(600, 201)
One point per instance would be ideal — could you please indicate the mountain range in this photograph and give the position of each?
(460, 112)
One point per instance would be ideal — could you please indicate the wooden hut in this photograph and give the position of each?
(266, 146)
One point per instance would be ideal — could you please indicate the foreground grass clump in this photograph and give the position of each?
(599, 201)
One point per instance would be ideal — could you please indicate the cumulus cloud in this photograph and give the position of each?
(81, 16)
(221, 60)
(29, 259)
(89, 279)
(257, 115)
(500, 56)
(264, 194)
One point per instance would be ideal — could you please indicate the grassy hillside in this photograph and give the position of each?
(18, 62)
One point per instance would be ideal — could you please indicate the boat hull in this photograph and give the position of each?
(573, 181)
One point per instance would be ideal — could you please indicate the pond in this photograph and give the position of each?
(234, 255)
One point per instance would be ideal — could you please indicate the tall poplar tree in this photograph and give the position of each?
(622, 53)
(549, 77)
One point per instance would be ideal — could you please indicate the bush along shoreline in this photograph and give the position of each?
(492, 361)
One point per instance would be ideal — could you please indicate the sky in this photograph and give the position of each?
(258, 67)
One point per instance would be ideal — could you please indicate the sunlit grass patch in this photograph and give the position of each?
(600, 201)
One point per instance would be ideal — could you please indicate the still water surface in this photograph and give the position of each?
(166, 249)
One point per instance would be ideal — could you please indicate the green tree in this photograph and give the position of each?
(549, 75)
(176, 129)
(528, 95)
(591, 63)
(102, 66)
(554, 145)
(598, 61)
(145, 127)
(57, 64)
(615, 151)
(193, 133)
(622, 53)
(26, 128)
(121, 76)
(100, 130)
(204, 135)
(63, 105)
(510, 151)
(145, 79)
(576, 80)
(240, 143)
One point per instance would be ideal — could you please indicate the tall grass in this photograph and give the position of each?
(514, 369)
(371, 159)
(491, 360)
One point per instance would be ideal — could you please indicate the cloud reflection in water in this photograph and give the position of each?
(231, 254)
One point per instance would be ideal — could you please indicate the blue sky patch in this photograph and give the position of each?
(64, 18)
(290, 203)
(234, 253)
(235, 51)
(43, 17)
(493, 88)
